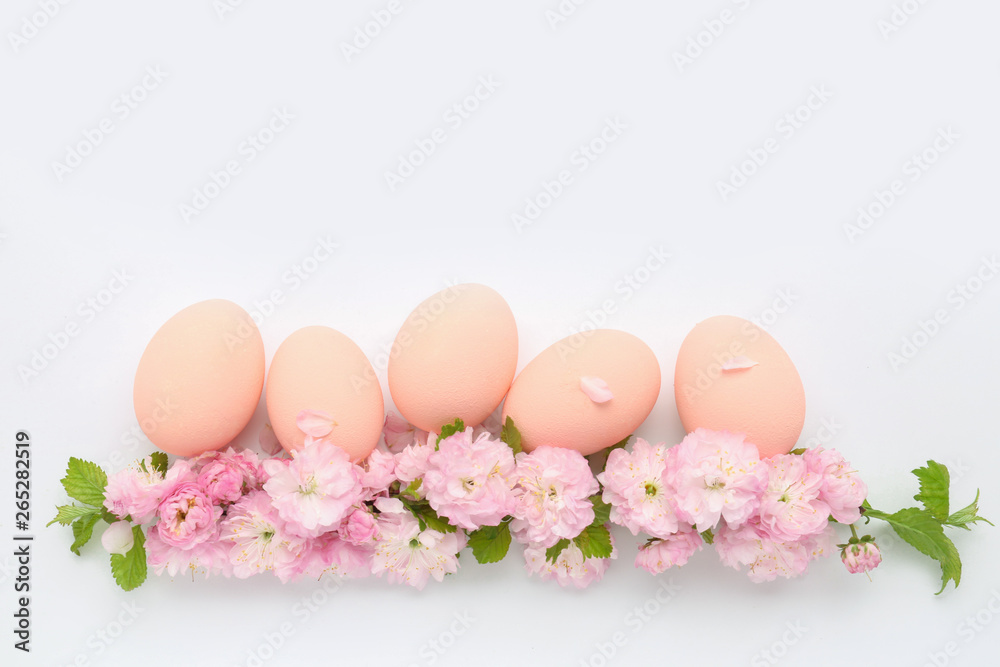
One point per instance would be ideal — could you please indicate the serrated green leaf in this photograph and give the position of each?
(83, 530)
(970, 514)
(918, 528)
(510, 435)
(67, 514)
(602, 510)
(435, 522)
(413, 487)
(490, 543)
(447, 430)
(552, 553)
(85, 481)
(160, 462)
(130, 570)
(934, 483)
(594, 541)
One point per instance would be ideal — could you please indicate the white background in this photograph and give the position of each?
(782, 233)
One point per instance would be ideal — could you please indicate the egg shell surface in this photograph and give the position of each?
(549, 407)
(199, 379)
(766, 401)
(454, 357)
(319, 368)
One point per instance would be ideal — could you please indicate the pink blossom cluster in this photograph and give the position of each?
(771, 516)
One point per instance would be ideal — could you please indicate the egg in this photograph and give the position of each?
(319, 368)
(586, 392)
(732, 375)
(200, 378)
(454, 356)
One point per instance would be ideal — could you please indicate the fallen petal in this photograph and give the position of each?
(596, 389)
(738, 363)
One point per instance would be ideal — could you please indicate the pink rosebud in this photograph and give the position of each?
(862, 556)
(360, 528)
(117, 538)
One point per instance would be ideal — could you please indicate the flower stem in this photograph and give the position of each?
(853, 531)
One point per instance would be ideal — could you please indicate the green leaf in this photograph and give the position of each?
(594, 541)
(798, 452)
(413, 487)
(967, 515)
(922, 531)
(447, 430)
(602, 511)
(708, 536)
(160, 462)
(83, 530)
(934, 483)
(620, 444)
(130, 570)
(510, 435)
(490, 543)
(67, 514)
(435, 522)
(552, 553)
(85, 481)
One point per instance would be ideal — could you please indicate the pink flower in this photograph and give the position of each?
(226, 476)
(260, 540)
(408, 555)
(862, 556)
(118, 538)
(658, 555)
(378, 472)
(360, 528)
(399, 433)
(208, 557)
(766, 558)
(315, 490)
(843, 490)
(553, 486)
(640, 499)
(137, 491)
(467, 483)
(717, 475)
(570, 568)
(412, 462)
(187, 517)
(790, 506)
(328, 554)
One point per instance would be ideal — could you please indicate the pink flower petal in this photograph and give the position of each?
(315, 423)
(596, 389)
(268, 441)
(738, 363)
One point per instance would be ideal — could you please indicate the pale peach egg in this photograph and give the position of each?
(732, 375)
(200, 378)
(318, 368)
(586, 392)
